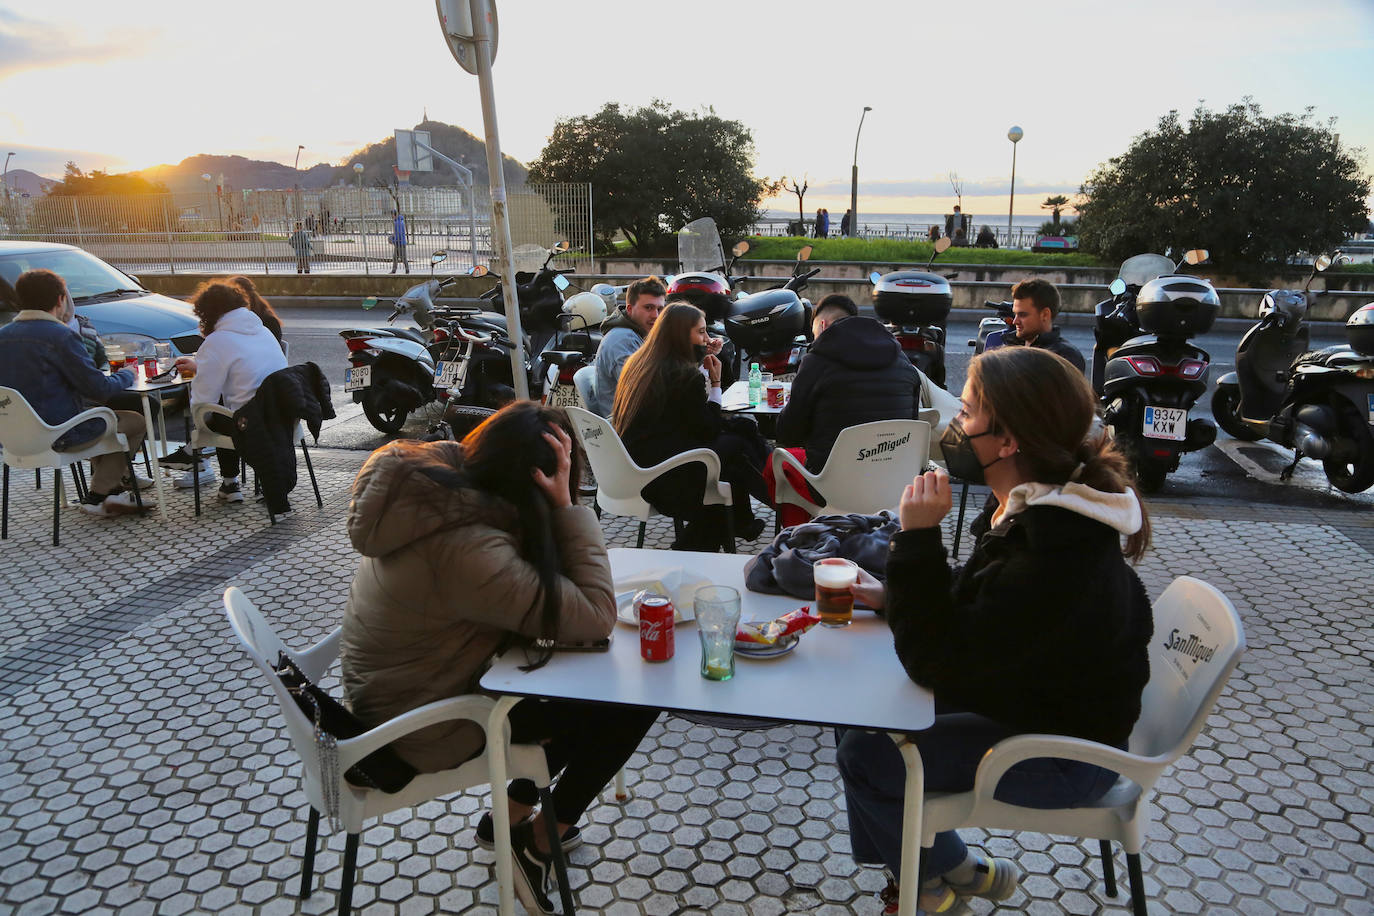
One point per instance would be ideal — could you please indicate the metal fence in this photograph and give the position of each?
(1015, 237)
(346, 230)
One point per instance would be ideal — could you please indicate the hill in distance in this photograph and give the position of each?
(22, 181)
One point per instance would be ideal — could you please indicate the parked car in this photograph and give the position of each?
(123, 312)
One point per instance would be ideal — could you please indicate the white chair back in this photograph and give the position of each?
(28, 441)
(584, 380)
(202, 436)
(1197, 642)
(22, 432)
(867, 468)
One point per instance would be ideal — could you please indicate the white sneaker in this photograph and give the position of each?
(140, 481)
(115, 504)
(188, 480)
(230, 492)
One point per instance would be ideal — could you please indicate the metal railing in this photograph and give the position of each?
(1017, 237)
(346, 230)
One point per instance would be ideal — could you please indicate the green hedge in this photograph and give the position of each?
(773, 248)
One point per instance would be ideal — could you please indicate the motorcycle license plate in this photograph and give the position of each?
(357, 377)
(564, 396)
(448, 374)
(1166, 423)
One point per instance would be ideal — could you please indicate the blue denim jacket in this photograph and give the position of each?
(45, 361)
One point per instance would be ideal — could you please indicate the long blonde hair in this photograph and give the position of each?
(1046, 404)
(666, 352)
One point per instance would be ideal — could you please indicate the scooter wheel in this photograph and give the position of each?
(1150, 475)
(385, 417)
(1353, 471)
(1226, 410)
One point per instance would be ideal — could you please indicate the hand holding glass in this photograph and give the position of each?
(717, 611)
(834, 599)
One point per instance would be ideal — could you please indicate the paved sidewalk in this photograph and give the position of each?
(143, 769)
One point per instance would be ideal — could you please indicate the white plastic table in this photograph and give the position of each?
(849, 677)
(736, 398)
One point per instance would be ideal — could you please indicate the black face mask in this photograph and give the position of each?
(960, 458)
(699, 351)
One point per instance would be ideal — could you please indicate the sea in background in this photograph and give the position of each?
(923, 220)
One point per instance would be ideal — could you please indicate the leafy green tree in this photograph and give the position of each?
(78, 183)
(654, 169)
(1252, 189)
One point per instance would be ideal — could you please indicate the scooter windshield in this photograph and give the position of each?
(699, 248)
(1143, 268)
(528, 258)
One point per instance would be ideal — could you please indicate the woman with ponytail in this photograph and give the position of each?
(1044, 630)
(467, 549)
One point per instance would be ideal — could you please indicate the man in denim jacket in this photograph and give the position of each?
(45, 361)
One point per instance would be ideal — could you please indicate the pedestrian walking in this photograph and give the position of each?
(300, 243)
(398, 241)
(847, 223)
(822, 223)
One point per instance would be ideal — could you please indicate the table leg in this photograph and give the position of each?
(497, 728)
(913, 807)
(157, 468)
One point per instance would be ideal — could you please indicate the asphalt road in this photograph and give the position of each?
(1228, 470)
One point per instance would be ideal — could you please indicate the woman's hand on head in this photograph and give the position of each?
(868, 591)
(925, 501)
(556, 488)
(712, 366)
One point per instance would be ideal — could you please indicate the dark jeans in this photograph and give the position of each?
(875, 777)
(228, 458)
(587, 743)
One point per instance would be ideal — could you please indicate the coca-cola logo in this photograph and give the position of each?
(649, 629)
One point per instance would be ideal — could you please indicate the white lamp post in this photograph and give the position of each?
(854, 179)
(207, 178)
(296, 188)
(1014, 135)
(5, 180)
(362, 231)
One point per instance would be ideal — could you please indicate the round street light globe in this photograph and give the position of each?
(358, 167)
(205, 177)
(1015, 134)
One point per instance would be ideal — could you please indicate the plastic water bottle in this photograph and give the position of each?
(755, 385)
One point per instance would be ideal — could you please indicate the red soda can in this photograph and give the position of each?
(150, 366)
(656, 615)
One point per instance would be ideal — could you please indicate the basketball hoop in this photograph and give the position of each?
(402, 175)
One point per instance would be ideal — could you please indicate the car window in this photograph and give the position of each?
(86, 275)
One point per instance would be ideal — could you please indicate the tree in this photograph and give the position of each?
(1252, 189)
(78, 183)
(957, 184)
(1055, 205)
(800, 191)
(654, 169)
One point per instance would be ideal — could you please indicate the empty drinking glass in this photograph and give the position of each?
(717, 611)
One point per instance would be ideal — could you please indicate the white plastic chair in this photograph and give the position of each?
(202, 436)
(866, 471)
(584, 380)
(619, 480)
(1198, 639)
(357, 805)
(28, 443)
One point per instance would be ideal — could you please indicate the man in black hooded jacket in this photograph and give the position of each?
(855, 373)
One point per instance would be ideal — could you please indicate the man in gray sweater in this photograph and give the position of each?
(623, 332)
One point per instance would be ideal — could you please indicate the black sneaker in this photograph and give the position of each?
(532, 870)
(485, 835)
(181, 459)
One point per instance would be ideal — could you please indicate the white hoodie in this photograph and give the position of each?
(1116, 510)
(234, 359)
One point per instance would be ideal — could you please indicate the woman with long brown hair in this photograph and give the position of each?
(664, 406)
(259, 306)
(1044, 630)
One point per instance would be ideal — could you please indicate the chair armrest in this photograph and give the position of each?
(1005, 754)
(703, 455)
(316, 660)
(199, 411)
(473, 707)
(95, 413)
(783, 490)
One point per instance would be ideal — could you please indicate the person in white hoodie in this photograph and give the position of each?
(237, 354)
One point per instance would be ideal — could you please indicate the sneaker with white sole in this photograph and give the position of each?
(230, 491)
(112, 505)
(179, 460)
(532, 870)
(188, 480)
(142, 482)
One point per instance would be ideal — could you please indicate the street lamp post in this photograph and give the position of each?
(206, 177)
(5, 180)
(1014, 135)
(362, 228)
(854, 179)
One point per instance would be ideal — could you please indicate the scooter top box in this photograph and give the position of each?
(768, 320)
(1177, 306)
(912, 297)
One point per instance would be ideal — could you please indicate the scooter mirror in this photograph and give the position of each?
(438, 256)
(804, 254)
(1118, 286)
(874, 278)
(561, 247)
(943, 245)
(1197, 255)
(370, 302)
(561, 281)
(478, 270)
(668, 280)
(1323, 262)
(740, 249)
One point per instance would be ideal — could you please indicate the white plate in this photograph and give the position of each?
(781, 647)
(625, 610)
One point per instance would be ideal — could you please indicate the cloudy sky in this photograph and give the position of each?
(123, 86)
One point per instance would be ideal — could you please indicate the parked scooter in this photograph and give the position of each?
(773, 327)
(1318, 403)
(705, 279)
(992, 328)
(915, 304)
(1148, 375)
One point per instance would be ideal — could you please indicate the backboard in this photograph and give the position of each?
(410, 156)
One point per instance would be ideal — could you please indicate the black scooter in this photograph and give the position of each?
(1317, 403)
(992, 328)
(773, 327)
(914, 305)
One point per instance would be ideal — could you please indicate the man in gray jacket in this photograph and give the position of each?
(622, 333)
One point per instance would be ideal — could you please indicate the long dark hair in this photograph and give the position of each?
(666, 352)
(499, 458)
(259, 306)
(1046, 404)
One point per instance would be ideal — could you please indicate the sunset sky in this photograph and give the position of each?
(124, 86)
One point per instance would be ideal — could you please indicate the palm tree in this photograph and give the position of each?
(1055, 204)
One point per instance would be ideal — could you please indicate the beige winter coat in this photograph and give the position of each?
(440, 584)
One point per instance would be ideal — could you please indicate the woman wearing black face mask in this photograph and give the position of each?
(1044, 630)
(664, 407)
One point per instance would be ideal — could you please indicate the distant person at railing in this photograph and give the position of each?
(822, 223)
(985, 239)
(398, 241)
(934, 234)
(300, 243)
(847, 223)
(960, 239)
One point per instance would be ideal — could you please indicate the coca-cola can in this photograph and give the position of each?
(656, 615)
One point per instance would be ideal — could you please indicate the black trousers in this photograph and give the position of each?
(228, 458)
(585, 745)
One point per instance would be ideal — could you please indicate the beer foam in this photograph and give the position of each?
(834, 575)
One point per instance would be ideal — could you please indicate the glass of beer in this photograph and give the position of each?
(834, 600)
(717, 611)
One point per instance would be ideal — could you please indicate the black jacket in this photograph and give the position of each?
(263, 427)
(855, 373)
(1045, 630)
(1052, 341)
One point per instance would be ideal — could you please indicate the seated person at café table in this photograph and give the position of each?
(467, 549)
(1044, 630)
(45, 361)
(854, 373)
(622, 334)
(662, 408)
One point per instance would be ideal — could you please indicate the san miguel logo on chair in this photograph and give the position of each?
(1189, 646)
(883, 448)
